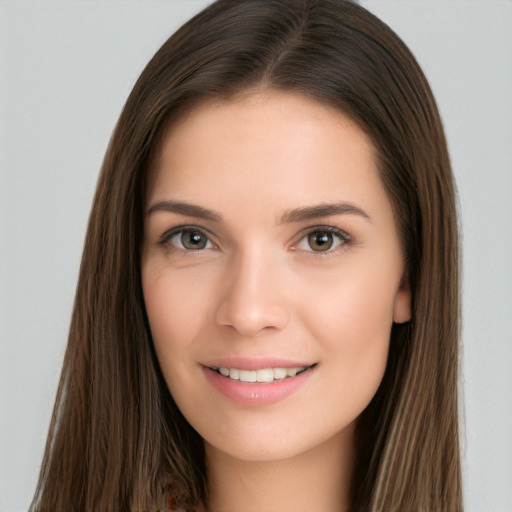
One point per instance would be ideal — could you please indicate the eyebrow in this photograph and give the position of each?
(188, 209)
(290, 216)
(323, 210)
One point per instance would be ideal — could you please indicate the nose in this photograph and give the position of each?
(254, 296)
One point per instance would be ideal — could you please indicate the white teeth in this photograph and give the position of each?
(263, 375)
(266, 375)
(246, 375)
(291, 372)
(279, 373)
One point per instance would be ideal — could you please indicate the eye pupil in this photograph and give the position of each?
(320, 240)
(193, 240)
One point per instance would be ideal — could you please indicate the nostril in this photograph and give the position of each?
(252, 318)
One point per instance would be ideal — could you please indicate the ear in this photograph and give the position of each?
(402, 309)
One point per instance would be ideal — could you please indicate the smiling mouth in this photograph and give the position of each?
(266, 375)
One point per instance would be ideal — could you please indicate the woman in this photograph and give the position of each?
(268, 302)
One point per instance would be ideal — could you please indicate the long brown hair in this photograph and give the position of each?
(116, 438)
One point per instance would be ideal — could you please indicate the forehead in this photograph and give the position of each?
(280, 147)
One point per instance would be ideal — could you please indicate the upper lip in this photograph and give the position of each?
(255, 363)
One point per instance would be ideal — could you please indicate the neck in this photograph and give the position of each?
(318, 480)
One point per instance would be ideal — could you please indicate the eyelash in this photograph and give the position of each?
(343, 239)
(166, 238)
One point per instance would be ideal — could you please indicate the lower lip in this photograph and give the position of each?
(261, 393)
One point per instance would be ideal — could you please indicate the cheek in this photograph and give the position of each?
(356, 306)
(174, 305)
(351, 321)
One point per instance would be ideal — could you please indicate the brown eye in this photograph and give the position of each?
(193, 240)
(320, 240)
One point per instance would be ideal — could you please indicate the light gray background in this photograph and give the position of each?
(66, 68)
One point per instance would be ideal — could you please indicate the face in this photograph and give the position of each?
(272, 273)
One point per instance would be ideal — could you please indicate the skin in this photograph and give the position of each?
(258, 289)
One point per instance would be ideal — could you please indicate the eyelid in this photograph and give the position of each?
(343, 236)
(165, 238)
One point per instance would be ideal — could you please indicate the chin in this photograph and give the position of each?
(267, 442)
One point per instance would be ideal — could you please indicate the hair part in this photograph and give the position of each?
(116, 438)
